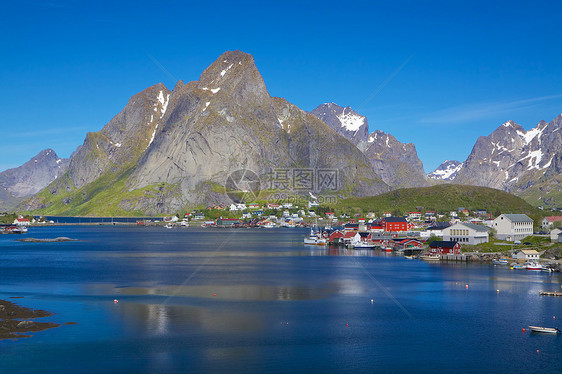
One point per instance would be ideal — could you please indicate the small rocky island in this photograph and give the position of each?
(51, 240)
(15, 321)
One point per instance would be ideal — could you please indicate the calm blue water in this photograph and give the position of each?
(251, 301)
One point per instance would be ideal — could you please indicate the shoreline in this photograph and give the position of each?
(17, 322)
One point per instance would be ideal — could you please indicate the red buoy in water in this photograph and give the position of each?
(523, 330)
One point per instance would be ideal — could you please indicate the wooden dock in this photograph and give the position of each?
(549, 293)
(455, 257)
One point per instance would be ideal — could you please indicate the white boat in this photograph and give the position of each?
(534, 266)
(314, 239)
(544, 330)
(430, 257)
(502, 261)
(19, 230)
(361, 244)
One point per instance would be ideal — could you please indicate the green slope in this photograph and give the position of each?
(441, 198)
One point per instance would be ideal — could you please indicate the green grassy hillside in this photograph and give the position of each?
(441, 198)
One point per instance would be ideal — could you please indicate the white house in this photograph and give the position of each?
(528, 255)
(466, 233)
(433, 230)
(22, 221)
(512, 227)
(414, 215)
(549, 221)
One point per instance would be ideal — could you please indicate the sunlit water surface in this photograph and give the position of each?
(258, 300)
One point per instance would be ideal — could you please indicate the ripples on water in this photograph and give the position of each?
(259, 301)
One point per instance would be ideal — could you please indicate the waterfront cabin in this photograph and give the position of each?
(445, 247)
(407, 244)
(335, 236)
(228, 222)
(22, 222)
(529, 255)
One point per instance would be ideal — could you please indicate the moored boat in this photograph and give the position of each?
(314, 238)
(501, 261)
(544, 330)
(534, 266)
(430, 257)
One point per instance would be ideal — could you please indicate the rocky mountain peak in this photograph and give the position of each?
(235, 74)
(344, 121)
(447, 171)
(30, 177)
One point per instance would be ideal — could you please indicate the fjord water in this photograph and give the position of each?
(257, 300)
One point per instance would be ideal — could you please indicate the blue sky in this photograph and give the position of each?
(435, 73)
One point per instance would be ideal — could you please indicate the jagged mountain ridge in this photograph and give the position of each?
(396, 163)
(345, 121)
(30, 178)
(167, 150)
(526, 163)
(447, 171)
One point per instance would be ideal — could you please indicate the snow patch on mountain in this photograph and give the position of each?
(447, 171)
(351, 121)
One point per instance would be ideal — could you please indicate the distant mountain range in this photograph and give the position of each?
(396, 163)
(30, 178)
(526, 163)
(169, 150)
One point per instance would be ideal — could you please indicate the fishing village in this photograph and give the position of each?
(457, 235)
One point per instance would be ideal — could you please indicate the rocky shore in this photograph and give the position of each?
(17, 321)
(55, 240)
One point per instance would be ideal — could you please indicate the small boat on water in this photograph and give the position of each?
(314, 238)
(501, 261)
(360, 244)
(534, 266)
(516, 266)
(544, 330)
(13, 230)
(430, 257)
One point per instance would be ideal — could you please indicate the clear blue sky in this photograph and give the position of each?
(435, 73)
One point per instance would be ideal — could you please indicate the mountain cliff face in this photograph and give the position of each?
(396, 163)
(169, 150)
(527, 163)
(30, 178)
(447, 171)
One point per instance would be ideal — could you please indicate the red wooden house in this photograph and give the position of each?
(445, 247)
(335, 236)
(395, 224)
